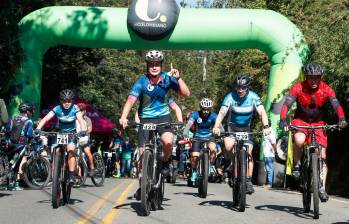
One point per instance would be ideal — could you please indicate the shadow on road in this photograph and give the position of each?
(344, 222)
(195, 194)
(223, 204)
(288, 209)
(4, 195)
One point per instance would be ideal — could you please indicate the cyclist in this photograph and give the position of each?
(20, 131)
(115, 145)
(311, 95)
(67, 113)
(204, 120)
(241, 103)
(86, 147)
(151, 90)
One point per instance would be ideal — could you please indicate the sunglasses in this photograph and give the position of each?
(243, 88)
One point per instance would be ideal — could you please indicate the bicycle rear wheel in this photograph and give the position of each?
(98, 178)
(81, 173)
(203, 181)
(242, 169)
(56, 185)
(315, 183)
(146, 181)
(158, 193)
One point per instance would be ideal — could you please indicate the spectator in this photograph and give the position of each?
(126, 157)
(115, 145)
(269, 146)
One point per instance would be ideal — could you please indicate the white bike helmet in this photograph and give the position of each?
(154, 55)
(206, 103)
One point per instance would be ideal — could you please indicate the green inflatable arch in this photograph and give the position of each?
(204, 29)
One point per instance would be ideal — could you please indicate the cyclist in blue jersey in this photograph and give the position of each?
(67, 113)
(204, 121)
(241, 104)
(151, 89)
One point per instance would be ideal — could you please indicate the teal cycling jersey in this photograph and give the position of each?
(241, 108)
(203, 124)
(154, 98)
(66, 117)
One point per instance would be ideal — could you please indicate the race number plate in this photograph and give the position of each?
(241, 136)
(149, 127)
(62, 139)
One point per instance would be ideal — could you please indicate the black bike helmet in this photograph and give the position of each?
(243, 80)
(154, 55)
(66, 95)
(313, 69)
(25, 107)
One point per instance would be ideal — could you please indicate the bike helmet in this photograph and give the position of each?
(243, 80)
(154, 55)
(25, 107)
(313, 69)
(206, 103)
(66, 95)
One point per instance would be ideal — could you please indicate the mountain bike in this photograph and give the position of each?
(311, 168)
(61, 186)
(37, 170)
(203, 166)
(152, 181)
(239, 165)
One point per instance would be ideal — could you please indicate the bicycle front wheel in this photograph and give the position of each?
(242, 169)
(56, 185)
(315, 181)
(146, 181)
(37, 172)
(204, 175)
(306, 186)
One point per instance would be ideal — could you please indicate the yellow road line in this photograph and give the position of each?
(114, 212)
(89, 214)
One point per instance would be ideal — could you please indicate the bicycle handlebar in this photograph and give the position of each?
(326, 127)
(228, 133)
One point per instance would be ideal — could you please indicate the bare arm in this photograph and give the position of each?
(81, 121)
(43, 121)
(178, 112)
(261, 111)
(183, 88)
(126, 110)
(137, 120)
(221, 114)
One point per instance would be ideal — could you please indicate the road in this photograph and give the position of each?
(113, 203)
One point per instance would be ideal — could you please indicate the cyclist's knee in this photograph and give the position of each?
(299, 139)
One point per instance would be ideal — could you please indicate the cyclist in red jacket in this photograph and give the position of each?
(311, 96)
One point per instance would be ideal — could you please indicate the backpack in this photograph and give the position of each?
(18, 123)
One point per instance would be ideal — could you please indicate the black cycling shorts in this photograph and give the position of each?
(199, 145)
(143, 135)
